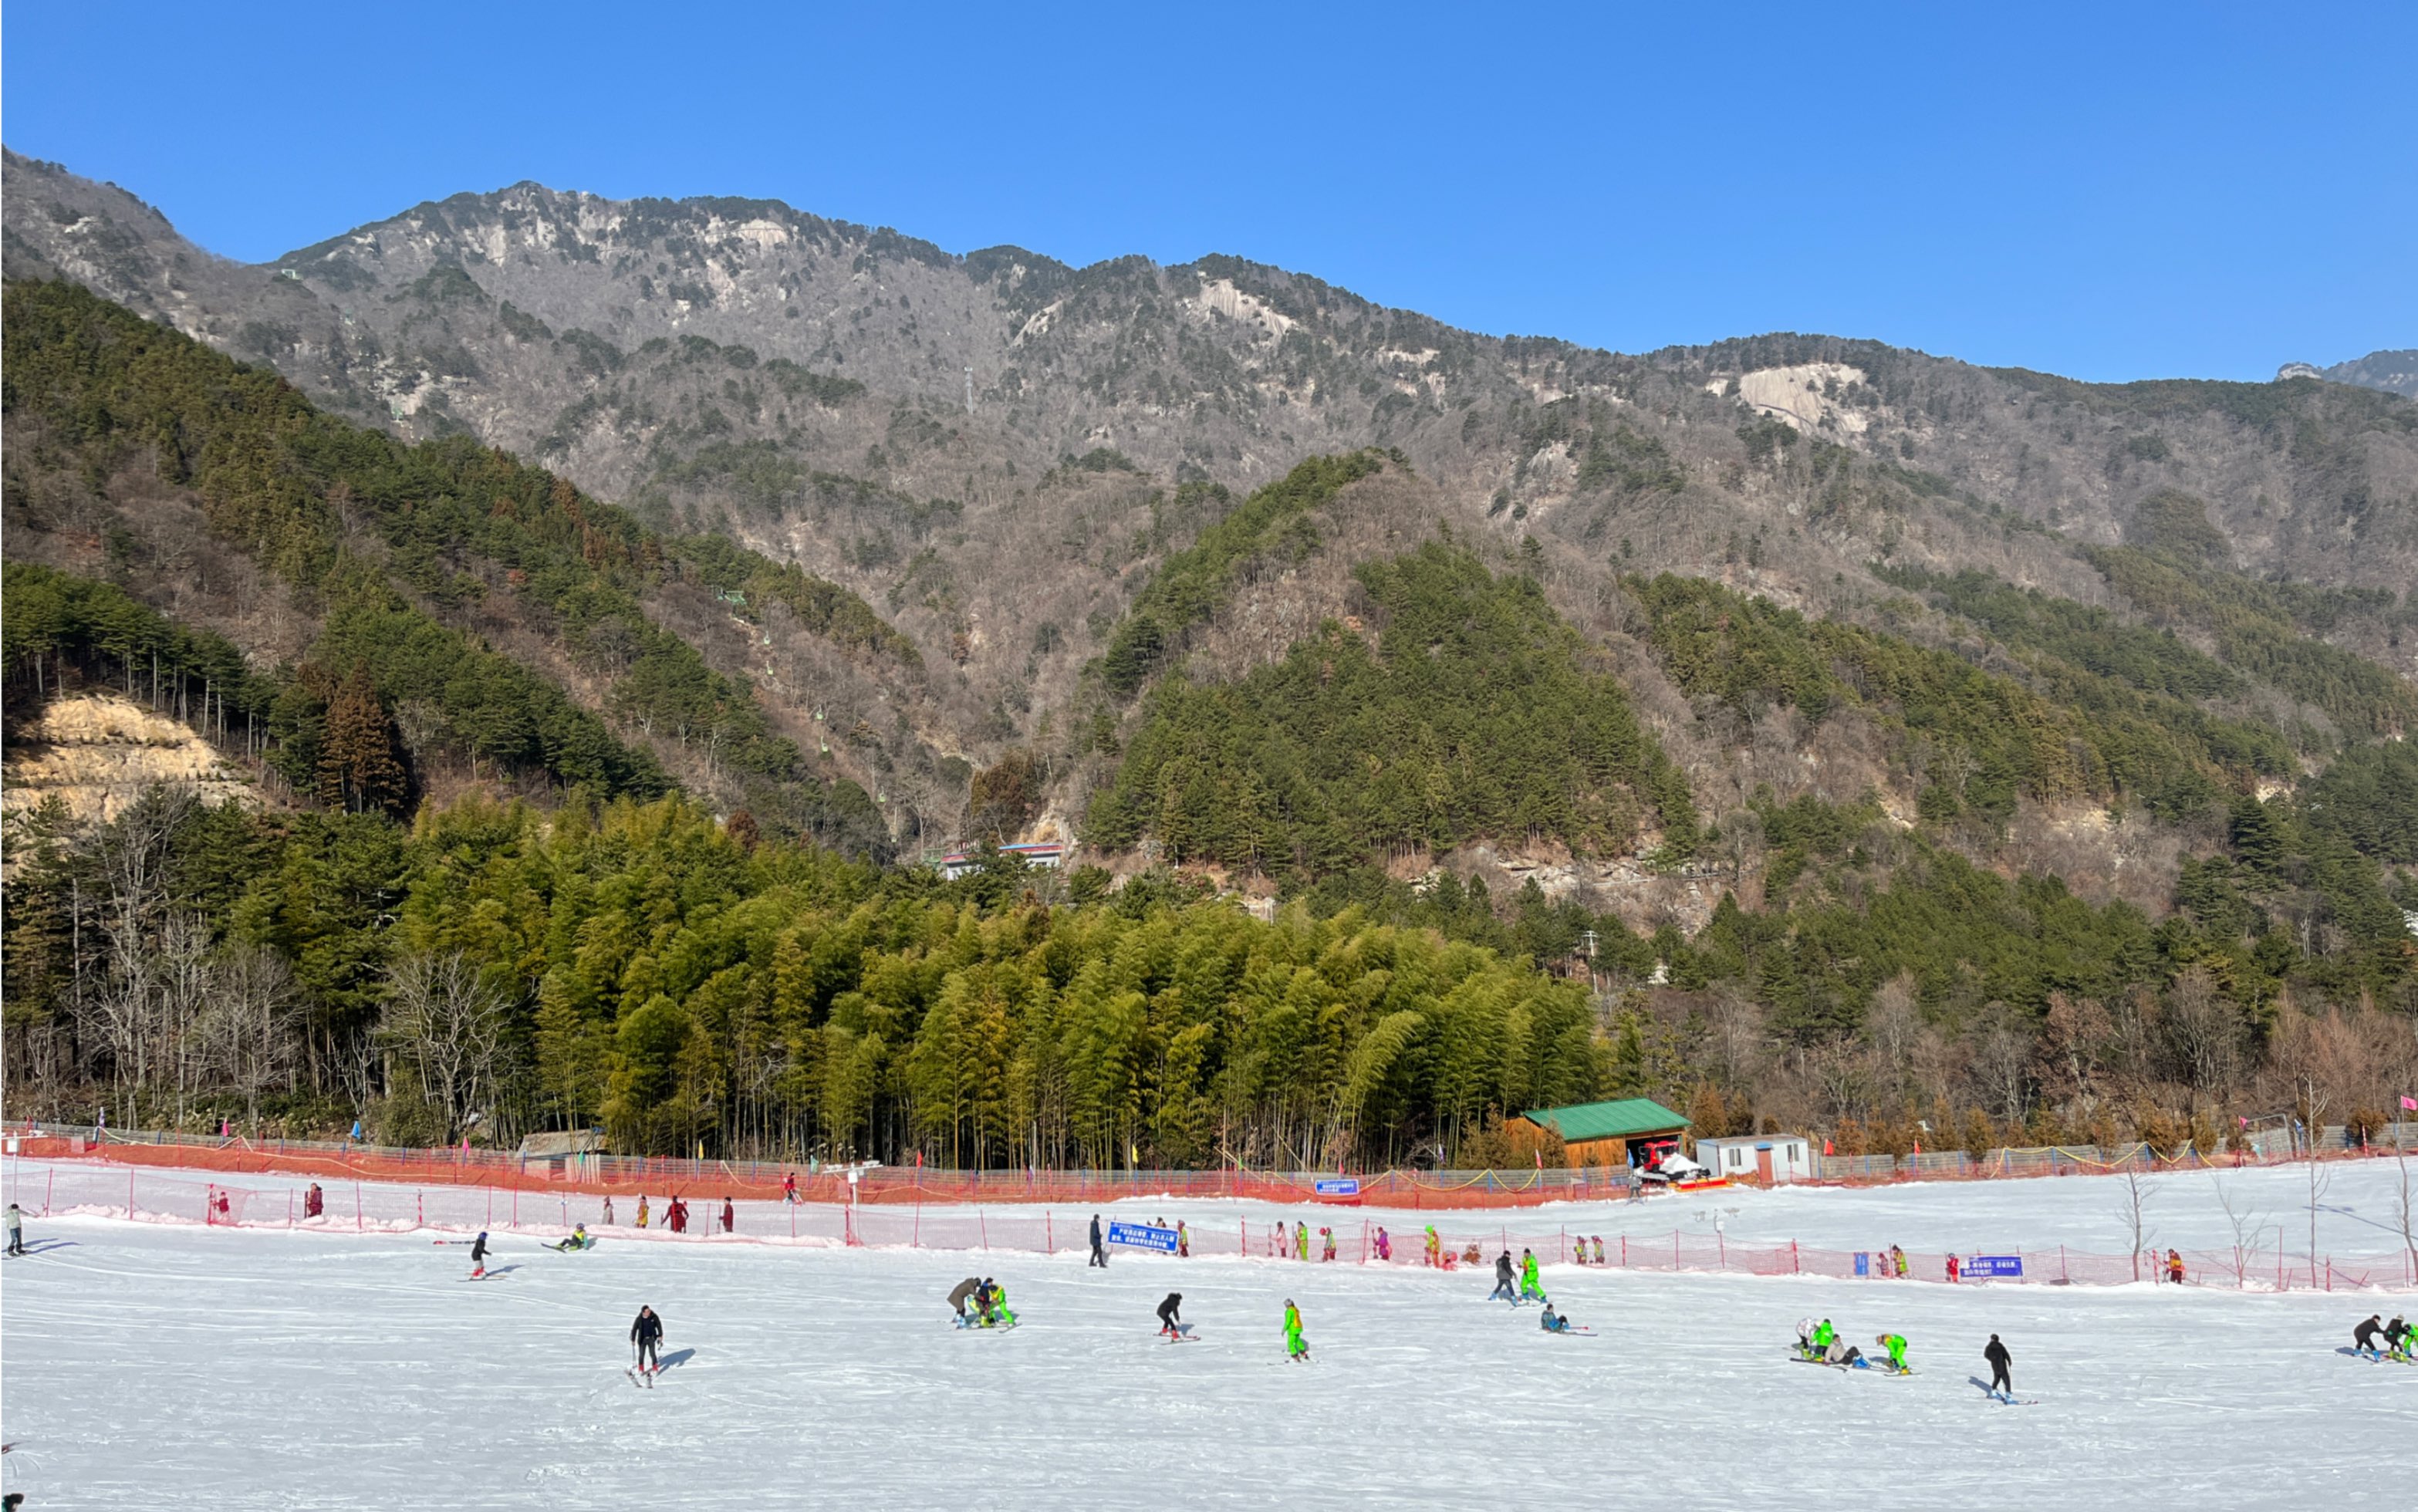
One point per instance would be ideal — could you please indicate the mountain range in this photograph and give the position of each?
(1870, 730)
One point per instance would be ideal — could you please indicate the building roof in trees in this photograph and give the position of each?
(1625, 1118)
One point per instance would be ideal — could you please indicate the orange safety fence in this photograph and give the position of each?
(142, 1193)
(597, 1173)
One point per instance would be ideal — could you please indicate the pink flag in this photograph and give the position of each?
(2411, 1103)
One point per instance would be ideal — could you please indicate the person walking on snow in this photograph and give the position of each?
(642, 1210)
(1504, 1286)
(16, 1230)
(1295, 1347)
(647, 1335)
(1301, 1241)
(606, 1221)
(2000, 1381)
(1385, 1246)
(1435, 1248)
(1895, 1344)
(479, 1256)
(1529, 1285)
(726, 1215)
(1099, 1256)
(789, 1187)
(2174, 1267)
(1170, 1322)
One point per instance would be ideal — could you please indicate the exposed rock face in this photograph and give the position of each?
(99, 754)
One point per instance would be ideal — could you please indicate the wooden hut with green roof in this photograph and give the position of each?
(1603, 1134)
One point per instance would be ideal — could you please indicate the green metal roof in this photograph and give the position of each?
(1623, 1120)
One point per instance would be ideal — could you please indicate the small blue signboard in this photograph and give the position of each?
(1338, 1186)
(1142, 1236)
(2010, 1267)
(1863, 1263)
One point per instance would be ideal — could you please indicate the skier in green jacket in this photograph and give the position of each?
(1824, 1337)
(1529, 1286)
(1895, 1344)
(1295, 1347)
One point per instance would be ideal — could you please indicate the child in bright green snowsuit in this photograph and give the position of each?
(1895, 1344)
(1529, 1286)
(1000, 1316)
(1824, 1337)
(1295, 1349)
(1301, 1241)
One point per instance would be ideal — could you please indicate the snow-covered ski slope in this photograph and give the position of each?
(155, 1366)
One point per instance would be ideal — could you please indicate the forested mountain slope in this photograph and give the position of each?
(1911, 740)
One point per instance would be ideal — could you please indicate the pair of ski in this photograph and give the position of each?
(642, 1376)
(2382, 1358)
(1861, 1364)
(1180, 1334)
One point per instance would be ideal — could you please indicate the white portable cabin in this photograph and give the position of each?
(1759, 1157)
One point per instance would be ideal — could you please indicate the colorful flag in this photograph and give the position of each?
(2411, 1103)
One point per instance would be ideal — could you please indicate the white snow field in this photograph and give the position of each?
(153, 1365)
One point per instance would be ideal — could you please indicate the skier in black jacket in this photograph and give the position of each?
(2364, 1337)
(1506, 1285)
(1997, 1355)
(1169, 1323)
(647, 1335)
(479, 1256)
(1099, 1256)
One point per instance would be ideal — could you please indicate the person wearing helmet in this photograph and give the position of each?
(1895, 1344)
(479, 1256)
(1295, 1347)
(576, 1239)
(1554, 1323)
(1170, 1316)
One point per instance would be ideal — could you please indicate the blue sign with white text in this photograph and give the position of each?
(1338, 1186)
(1142, 1236)
(2010, 1266)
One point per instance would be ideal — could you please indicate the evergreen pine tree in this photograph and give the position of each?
(359, 770)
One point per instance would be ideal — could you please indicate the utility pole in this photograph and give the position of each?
(970, 389)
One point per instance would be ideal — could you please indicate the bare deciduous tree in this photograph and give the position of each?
(450, 1027)
(247, 1028)
(2132, 1207)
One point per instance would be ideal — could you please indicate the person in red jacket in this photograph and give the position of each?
(728, 1216)
(2174, 1267)
(789, 1187)
(676, 1214)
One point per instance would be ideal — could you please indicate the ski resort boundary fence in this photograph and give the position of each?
(596, 1173)
(47, 1188)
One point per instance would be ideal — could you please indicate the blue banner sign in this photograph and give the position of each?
(1338, 1186)
(1863, 1263)
(2010, 1266)
(1142, 1236)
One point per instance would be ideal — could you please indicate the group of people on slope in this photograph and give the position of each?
(1528, 1288)
(988, 1301)
(1821, 1342)
(676, 1211)
(2395, 1340)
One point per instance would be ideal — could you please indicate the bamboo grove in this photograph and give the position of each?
(641, 968)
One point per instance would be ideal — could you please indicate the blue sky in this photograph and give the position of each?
(2110, 191)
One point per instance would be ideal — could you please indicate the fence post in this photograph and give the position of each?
(129, 1197)
(359, 1223)
(516, 1208)
(1623, 1252)
(1795, 1267)
(50, 1184)
(419, 1210)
